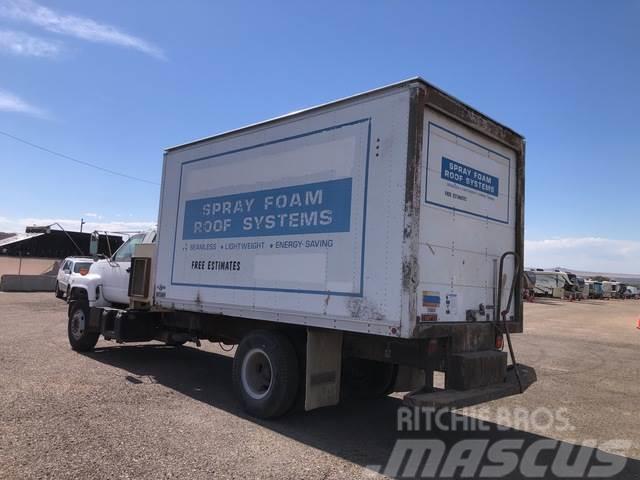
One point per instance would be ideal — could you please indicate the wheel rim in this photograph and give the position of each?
(77, 324)
(256, 374)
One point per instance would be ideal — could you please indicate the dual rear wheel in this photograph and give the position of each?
(266, 374)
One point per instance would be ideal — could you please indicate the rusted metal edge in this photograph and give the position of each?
(413, 196)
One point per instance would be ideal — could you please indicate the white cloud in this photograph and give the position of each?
(593, 254)
(79, 27)
(18, 225)
(22, 44)
(12, 103)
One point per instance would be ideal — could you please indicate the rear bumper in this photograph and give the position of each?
(439, 398)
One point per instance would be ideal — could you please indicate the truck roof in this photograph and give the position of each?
(402, 84)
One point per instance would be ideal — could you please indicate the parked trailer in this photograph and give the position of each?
(621, 291)
(615, 289)
(582, 288)
(551, 283)
(528, 285)
(572, 289)
(359, 245)
(607, 289)
(631, 292)
(595, 289)
(576, 290)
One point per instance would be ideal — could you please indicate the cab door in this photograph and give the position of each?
(116, 275)
(63, 275)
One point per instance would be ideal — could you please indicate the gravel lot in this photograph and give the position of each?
(150, 411)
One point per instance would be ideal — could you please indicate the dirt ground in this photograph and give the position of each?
(151, 411)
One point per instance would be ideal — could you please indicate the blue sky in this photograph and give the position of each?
(113, 83)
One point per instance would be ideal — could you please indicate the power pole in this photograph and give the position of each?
(82, 222)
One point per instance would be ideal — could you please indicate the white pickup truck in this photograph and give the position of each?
(107, 282)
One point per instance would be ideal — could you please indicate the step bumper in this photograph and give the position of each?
(439, 398)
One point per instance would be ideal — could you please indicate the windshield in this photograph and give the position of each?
(125, 252)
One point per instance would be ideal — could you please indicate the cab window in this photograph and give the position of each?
(125, 252)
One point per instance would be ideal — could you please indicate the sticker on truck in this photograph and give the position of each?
(430, 299)
(467, 177)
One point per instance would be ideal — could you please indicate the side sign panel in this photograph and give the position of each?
(465, 176)
(321, 207)
(285, 215)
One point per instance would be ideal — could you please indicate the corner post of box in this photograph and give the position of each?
(518, 327)
(413, 200)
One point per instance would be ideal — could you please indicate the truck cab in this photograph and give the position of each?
(107, 282)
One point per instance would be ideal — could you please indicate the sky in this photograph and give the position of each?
(114, 83)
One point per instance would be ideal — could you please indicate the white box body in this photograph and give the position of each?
(319, 218)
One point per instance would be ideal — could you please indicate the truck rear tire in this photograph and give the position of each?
(80, 339)
(265, 374)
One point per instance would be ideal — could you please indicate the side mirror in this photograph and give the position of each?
(93, 244)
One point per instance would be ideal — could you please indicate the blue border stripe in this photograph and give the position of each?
(280, 140)
(175, 233)
(426, 185)
(266, 289)
(272, 142)
(364, 209)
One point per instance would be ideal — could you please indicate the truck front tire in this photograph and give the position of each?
(266, 374)
(80, 339)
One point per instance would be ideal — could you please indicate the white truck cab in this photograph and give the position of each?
(107, 282)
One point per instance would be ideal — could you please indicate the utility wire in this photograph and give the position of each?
(81, 162)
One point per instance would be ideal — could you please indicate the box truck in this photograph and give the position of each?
(354, 248)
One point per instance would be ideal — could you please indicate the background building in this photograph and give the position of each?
(40, 253)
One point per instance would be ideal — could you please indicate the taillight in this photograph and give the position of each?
(499, 341)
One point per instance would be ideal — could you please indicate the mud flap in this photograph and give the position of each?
(324, 364)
